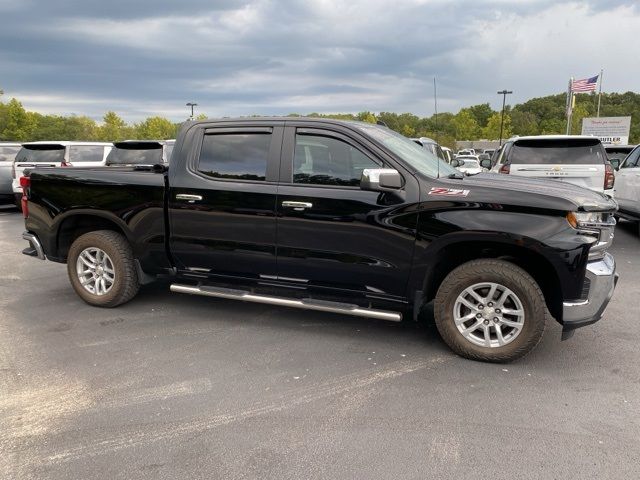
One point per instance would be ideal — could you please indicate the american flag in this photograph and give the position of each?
(584, 85)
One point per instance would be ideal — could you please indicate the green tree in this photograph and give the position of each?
(113, 128)
(16, 123)
(408, 131)
(366, 117)
(492, 130)
(466, 126)
(523, 123)
(155, 128)
(390, 120)
(552, 126)
(579, 112)
(481, 113)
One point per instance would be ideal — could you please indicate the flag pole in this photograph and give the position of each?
(569, 105)
(600, 91)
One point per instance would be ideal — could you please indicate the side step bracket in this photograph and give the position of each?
(305, 303)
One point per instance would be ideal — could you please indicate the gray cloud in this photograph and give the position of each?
(277, 57)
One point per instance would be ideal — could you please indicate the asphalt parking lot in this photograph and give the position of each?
(170, 386)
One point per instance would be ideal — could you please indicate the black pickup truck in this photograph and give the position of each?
(335, 216)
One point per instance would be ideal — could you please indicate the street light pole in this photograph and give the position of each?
(191, 104)
(504, 94)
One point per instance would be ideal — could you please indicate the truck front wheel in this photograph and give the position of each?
(490, 310)
(102, 269)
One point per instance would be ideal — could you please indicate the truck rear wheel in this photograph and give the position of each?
(102, 270)
(490, 310)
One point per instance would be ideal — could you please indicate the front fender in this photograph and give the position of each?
(456, 236)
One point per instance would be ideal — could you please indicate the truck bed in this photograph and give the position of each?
(131, 198)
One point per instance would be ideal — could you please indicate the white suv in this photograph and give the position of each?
(580, 160)
(57, 154)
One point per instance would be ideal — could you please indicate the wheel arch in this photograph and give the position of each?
(75, 224)
(449, 255)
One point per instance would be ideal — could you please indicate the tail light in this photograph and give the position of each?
(506, 168)
(25, 183)
(609, 176)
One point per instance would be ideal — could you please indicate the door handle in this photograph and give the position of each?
(189, 197)
(297, 206)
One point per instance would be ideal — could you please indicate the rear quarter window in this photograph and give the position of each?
(8, 154)
(545, 152)
(86, 153)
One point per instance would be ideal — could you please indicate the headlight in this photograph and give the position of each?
(590, 219)
(599, 225)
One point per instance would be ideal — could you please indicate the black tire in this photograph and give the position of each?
(503, 273)
(125, 280)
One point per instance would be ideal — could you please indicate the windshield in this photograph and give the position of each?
(416, 156)
(545, 152)
(41, 153)
(135, 155)
(8, 154)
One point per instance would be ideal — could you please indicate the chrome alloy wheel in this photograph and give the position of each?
(488, 314)
(95, 271)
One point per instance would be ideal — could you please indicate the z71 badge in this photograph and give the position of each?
(450, 192)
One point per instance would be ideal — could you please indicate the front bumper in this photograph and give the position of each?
(603, 278)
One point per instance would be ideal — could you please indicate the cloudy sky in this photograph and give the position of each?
(143, 58)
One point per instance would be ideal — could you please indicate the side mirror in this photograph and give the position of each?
(615, 163)
(485, 163)
(380, 179)
(455, 163)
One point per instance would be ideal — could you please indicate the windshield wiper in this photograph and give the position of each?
(456, 175)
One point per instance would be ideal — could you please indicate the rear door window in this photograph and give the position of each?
(86, 153)
(562, 151)
(235, 156)
(41, 154)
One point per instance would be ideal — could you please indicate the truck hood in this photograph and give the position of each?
(533, 192)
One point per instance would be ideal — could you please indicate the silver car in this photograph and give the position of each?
(8, 153)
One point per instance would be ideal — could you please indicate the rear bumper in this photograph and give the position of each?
(603, 277)
(35, 247)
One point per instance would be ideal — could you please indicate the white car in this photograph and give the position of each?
(468, 164)
(8, 153)
(627, 187)
(466, 152)
(577, 159)
(57, 154)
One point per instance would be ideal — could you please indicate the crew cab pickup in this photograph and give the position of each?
(336, 216)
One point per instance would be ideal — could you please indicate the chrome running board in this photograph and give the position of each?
(305, 303)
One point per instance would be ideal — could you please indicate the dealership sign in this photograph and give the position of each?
(610, 130)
